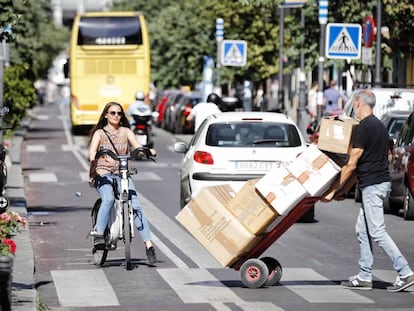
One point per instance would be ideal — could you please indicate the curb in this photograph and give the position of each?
(24, 295)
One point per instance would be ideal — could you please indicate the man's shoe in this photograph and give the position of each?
(152, 259)
(355, 282)
(401, 284)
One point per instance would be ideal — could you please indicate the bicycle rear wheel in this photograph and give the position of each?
(99, 253)
(127, 235)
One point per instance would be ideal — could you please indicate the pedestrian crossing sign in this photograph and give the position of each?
(233, 53)
(343, 41)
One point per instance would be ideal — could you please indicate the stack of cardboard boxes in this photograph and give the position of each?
(229, 224)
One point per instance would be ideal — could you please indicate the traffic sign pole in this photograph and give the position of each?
(219, 39)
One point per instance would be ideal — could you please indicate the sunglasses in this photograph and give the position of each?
(113, 113)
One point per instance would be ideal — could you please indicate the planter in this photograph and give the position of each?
(6, 271)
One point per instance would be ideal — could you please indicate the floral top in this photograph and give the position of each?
(119, 138)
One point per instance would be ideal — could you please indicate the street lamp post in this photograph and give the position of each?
(301, 118)
(281, 104)
(323, 19)
(378, 47)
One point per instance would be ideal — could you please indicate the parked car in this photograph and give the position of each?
(402, 172)
(182, 109)
(159, 107)
(233, 147)
(393, 121)
(170, 108)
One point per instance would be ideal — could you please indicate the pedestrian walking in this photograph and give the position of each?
(369, 159)
(332, 100)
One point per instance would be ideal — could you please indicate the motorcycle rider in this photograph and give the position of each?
(139, 104)
(202, 110)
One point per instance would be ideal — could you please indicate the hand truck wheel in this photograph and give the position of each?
(275, 271)
(254, 273)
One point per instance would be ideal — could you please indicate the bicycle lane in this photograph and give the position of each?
(59, 203)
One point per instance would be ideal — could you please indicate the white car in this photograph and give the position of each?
(233, 147)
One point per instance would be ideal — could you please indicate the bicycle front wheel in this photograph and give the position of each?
(99, 252)
(127, 235)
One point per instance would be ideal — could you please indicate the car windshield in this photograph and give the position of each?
(253, 134)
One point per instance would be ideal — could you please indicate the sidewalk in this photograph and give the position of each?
(24, 296)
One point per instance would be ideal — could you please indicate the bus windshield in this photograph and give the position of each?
(112, 30)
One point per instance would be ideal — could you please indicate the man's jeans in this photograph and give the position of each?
(372, 204)
(103, 185)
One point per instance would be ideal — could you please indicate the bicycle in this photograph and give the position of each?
(121, 222)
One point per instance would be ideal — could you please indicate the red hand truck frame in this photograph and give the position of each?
(267, 271)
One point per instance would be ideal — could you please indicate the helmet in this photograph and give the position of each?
(214, 98)
(139, 95)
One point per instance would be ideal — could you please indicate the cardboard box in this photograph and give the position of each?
(281, 189)
(335, 134)
(314, 170)
(251, 208)
(214, 226)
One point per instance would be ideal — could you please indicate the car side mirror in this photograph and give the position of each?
(180, 147)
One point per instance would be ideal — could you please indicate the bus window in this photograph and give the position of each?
(109, 31)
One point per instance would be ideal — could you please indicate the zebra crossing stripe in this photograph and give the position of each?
(36, 148)
(83, 288)
(315, 288)
(42, 177)
(208, 290)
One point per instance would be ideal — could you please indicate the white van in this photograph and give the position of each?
(387, 99)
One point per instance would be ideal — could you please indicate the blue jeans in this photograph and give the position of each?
(372, 206)
(103, 185)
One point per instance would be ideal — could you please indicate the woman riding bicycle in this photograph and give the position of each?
(113, 132)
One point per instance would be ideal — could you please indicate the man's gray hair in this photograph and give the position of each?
(366, 97)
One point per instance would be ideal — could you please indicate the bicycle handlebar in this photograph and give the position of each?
(133, 155)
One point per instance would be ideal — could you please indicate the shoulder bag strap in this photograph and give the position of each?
(113, 146)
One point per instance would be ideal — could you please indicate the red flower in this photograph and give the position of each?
(10, 244)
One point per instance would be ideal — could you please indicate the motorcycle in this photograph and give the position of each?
(142, 126)
(4, 201)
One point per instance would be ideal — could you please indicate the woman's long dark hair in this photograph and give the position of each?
(103, 121)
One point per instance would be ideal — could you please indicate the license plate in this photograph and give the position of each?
(256, 165)
(142, 139)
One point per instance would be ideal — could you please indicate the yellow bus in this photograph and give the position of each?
(109, 61)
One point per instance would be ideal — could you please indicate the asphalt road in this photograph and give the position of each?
(315, 257)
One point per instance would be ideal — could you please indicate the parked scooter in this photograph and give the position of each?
(4, 201)
(142, 120)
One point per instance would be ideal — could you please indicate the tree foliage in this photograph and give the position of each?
(34, 42)
(180, 38)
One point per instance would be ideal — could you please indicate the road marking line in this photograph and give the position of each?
(42, 177)
(200, 286)
(35, 148)
(178, 236)
(83, 288)
(67, 147)
(141, 176)
(315, 288)
(84, 176)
